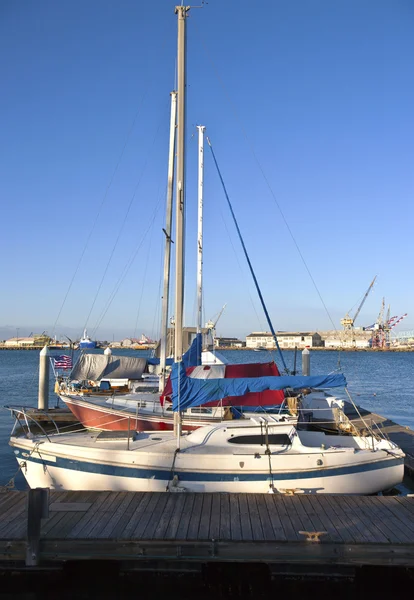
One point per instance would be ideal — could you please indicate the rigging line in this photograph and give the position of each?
(126, 268)
(157, 331)
(147, 88)
(143, 283)
(241, 270)
(122, 225)
(248, 259)
(233, 108)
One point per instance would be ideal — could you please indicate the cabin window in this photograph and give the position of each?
(201, 411)
(277, 439)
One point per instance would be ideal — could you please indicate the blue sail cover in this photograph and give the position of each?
(154, 360)
(192, 358)
(189, 392)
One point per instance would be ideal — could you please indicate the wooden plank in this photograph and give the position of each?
(174, 523)
(186, 517)
(246, 527)
(97, 523)
(290, 531)
(328, 524)
(193, 527)
(147, 513)
(112, 518)
(358, 519)
(165, 517)
(381, 522)
(342, 524)
(235, 525)
(136, 517)
(15, 525)
(204, 526)
(304, 510)
(364, 516)
(10, 513)
(256, 524)
(345, 518)
(70, 506)
(225, 532)
(268, 533)
(64, 527)
(293, 517)
(401, 523)
(274, 517)
(408, 503)
(119, 529)
(88, 516)
(214, 532)
(156, 516)
(404, 516)
(59, 521)
(310, 506)
(8, 498)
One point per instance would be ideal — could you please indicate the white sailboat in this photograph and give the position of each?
(255, 455)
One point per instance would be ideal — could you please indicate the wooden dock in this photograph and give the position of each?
(39, 530)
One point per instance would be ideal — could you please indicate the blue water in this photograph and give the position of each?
(382, 382)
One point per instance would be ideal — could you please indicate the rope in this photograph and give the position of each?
(167, 489)
(248, 259)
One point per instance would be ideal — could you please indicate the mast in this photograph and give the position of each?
(167, 251)
(181, 12)
(201, 129)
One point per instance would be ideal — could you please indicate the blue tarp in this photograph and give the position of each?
(156, 361)
(192, 358)
(195, 392)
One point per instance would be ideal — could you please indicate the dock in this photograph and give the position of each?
(42, 529)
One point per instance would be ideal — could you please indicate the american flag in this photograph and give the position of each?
(63, 362)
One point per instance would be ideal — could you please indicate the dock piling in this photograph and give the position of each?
(43, 398)
(306, 362)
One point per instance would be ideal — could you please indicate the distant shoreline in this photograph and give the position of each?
(316, 349)
(323, 349)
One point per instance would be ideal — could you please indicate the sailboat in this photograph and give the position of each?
(254, 455)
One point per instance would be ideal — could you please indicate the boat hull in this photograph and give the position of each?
(60, 472)
(107, 419)
(87, 345)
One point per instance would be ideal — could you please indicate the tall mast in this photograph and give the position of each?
(180, 189)
(167, 252)
(181, 12)
(201, 129)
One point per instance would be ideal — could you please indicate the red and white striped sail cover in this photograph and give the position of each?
(266, 398)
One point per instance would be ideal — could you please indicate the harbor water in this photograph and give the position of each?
(381, 382)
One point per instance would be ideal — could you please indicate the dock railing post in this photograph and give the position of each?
(37, 509)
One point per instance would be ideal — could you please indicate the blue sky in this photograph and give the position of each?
(320, 92)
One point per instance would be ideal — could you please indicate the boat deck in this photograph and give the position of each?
(270, 528)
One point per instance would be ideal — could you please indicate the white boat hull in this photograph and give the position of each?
(117, 471)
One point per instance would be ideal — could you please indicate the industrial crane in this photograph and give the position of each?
(211, 325)
(348, 322)
(381, 329)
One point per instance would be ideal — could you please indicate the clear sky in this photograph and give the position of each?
(315, 94)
